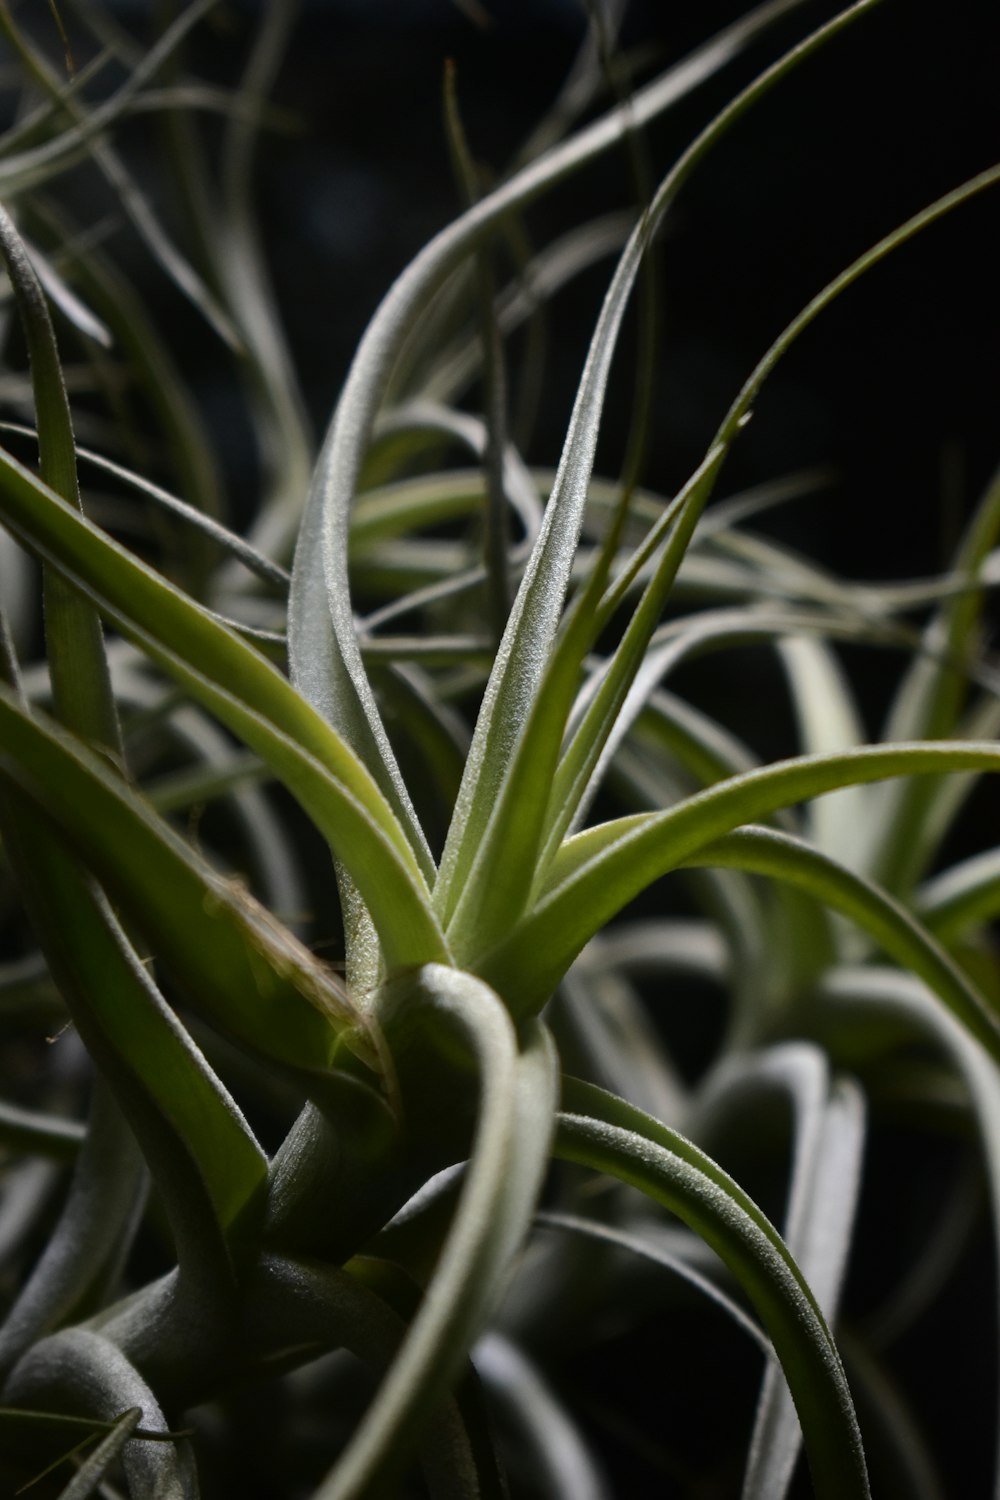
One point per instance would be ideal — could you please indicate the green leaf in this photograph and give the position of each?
(930, 697)
(521, 697)
(486, 781)
(326, 660)
(81, 685)
(532, 798)
(203, 1156)
(740, 410)
(500, 819)
(766, 852)
(606, 1134)
(506, 1165)
(961, 897)
(249, 695)
(247, 974)
(599, 871)
(95, 1466)
(196, 1140)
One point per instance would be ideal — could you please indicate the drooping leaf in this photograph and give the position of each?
(768, 852)
(640, 1243)
(606, 1134)
(827, 1130)
(598, 871)
(869, 994)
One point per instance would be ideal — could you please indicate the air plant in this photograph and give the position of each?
(485, 1156)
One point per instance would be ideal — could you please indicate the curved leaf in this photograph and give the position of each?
(85, 1372)
(867, 994)
(197, 1142)
(828, 1138)
(320, 1307)
(599, 871)
(541, 1433)
(639, 1243)
(766, 852)
(613, 1137)
(83, 1257)
(508, 1158)
(929, 699)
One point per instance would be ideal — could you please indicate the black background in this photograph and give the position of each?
(895, 388)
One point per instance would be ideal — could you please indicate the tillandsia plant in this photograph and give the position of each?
(402, 1204)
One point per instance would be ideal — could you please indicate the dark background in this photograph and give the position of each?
(895, 389)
